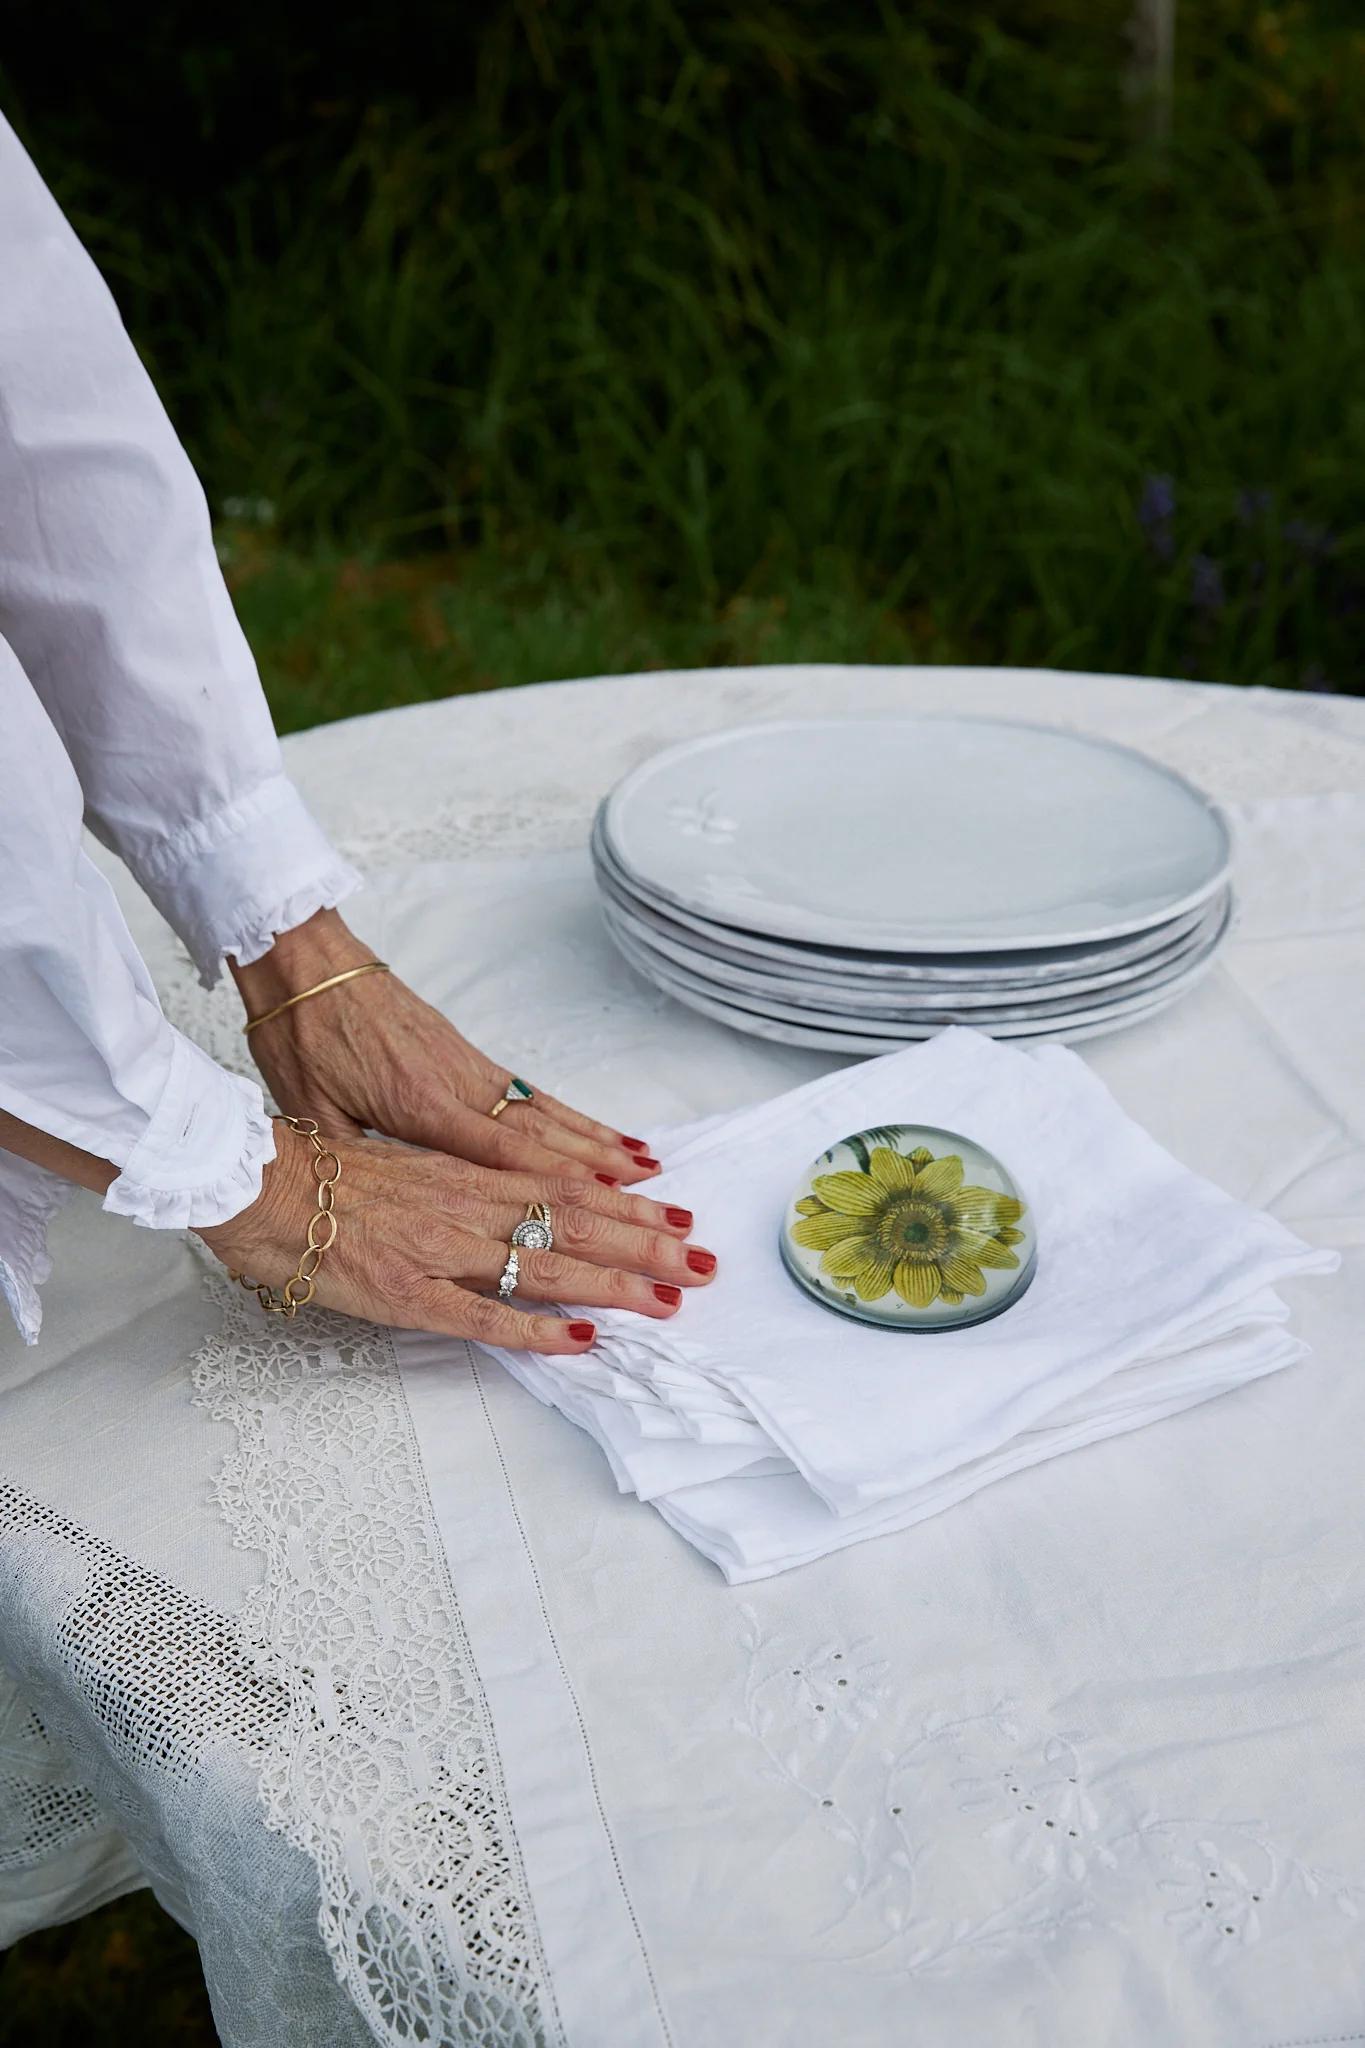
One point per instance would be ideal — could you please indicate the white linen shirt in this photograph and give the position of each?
(129, 698)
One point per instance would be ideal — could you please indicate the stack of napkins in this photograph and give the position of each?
(769, 1431)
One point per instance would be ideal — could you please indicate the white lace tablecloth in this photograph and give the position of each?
(349, 1648)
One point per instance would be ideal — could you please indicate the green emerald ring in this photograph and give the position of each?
(517, 1090)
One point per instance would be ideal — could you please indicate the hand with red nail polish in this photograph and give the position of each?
(421, 1246)
(422, 1242)
(373, 1056)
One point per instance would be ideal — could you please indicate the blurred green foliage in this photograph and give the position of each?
(872, 321)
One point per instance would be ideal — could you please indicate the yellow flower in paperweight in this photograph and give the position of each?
(910, 1227)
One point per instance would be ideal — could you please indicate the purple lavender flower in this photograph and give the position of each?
(1156, 510)
(1315, 542)
(1158, 500)
(1207, 593)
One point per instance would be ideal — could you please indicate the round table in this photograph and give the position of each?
(351, 1650)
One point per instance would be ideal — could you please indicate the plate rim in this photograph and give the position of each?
(1087, 1019)
(946, 994)
(841, 1042)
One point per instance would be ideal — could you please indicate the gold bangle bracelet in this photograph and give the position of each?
(297, 1291)
(333, 981)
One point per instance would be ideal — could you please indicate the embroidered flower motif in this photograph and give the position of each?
(1041, 1813)
(908, 1223)
(1221, 1884)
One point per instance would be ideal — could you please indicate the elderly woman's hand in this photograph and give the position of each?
(422, 1241)
(372, 1055)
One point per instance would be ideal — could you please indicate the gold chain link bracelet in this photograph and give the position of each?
(298, 1291)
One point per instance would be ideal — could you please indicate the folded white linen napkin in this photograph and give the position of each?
(769, 1431)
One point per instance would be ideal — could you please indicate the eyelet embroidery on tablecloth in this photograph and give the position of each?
(1057, 1842)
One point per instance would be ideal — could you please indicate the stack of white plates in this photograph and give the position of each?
(857, 884)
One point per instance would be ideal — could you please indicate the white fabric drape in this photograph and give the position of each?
(128, 695)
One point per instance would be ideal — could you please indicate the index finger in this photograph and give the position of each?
(453, 1182)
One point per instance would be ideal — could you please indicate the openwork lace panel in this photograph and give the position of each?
(343, 1699)
(136, 1710)
(44, 1807)
(384, 1769)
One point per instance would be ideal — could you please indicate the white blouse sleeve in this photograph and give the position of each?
(85, 1052)
(112, 599)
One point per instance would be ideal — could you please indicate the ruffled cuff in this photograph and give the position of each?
(201, 1157)
(29, 1198)
(233, 882)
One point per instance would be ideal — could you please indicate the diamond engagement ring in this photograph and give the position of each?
(536, 1234)
(507, 1286)
(517, 1090)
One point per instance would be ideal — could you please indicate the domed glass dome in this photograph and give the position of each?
(912, 1228)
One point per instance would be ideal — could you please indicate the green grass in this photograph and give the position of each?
(338, 634)
(797, 328)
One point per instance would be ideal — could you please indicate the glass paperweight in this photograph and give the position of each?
(912, 1228)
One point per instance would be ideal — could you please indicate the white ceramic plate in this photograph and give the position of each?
(1029, 968)
(837, 1033)
(768, 990)
(948, 835)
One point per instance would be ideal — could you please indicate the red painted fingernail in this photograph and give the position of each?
(607, 1180)
(701, 1262)
(635, 1144)
(672, 1295)
(643, 1159)
(681, 1219)
(582, 1333)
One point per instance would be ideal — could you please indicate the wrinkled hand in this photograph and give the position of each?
(420, 1236)
(372, 1055)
